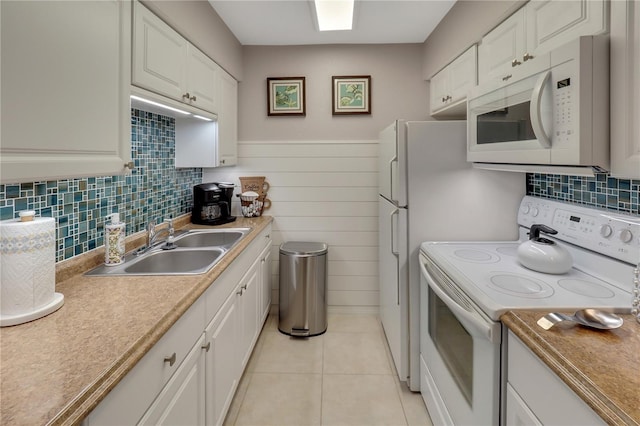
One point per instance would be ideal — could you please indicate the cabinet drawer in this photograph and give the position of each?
(550, 400)
(128, 401)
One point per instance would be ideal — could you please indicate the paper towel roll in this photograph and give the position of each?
(27, 265)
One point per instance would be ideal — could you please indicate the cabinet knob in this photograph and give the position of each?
(170, 359)
(186, 95)
(193, 98)
(222, 161)
(130, 165)
(240, 292)
(444, 99)
(506, 77)
(207, 346)
(515, 63)
(526, 57)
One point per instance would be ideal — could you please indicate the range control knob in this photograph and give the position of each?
(626, 236)
(534, 212)
(526, 209)
(606, 231)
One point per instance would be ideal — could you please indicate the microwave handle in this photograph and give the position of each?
(536, 116)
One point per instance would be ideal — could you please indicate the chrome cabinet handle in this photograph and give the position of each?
(526, 57)
(170, 359)
(207, 346)
(515, 63)
(507, 77)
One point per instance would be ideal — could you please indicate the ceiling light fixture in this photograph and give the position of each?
(334, 15)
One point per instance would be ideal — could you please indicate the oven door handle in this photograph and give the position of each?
(481, 328)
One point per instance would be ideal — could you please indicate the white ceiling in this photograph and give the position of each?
(290, 22)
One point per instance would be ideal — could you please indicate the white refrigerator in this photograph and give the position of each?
(429, 192)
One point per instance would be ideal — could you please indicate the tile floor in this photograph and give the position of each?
(343, 377)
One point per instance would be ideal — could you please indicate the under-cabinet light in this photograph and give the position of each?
(334, 15)
(202, 118)
(147, 101)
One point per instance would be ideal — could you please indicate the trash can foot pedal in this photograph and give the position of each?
(300, 332)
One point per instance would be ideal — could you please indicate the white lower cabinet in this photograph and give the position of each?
(265, 279)
(536, 395)
(182, 382)
(221, 367)
(182, 401)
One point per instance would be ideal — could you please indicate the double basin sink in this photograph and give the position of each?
(196, 252)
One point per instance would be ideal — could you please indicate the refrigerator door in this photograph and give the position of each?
(392, 157)
(393, 281)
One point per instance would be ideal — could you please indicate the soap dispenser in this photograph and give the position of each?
(114, 234)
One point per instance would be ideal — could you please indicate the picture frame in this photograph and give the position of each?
(351, 94)
(286, 96)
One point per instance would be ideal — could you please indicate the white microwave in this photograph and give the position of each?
(555, 111)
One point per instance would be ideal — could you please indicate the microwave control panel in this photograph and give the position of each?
(563, 105)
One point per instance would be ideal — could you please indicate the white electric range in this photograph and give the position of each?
(467, 286)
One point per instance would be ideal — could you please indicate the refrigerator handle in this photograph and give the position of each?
(396, 253)
(394, 159)
(393, 238)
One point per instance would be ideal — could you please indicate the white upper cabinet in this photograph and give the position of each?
(164, 62)
(449, 87)
(228, 121)
(625, 89)
(66, 74)
(538, 27)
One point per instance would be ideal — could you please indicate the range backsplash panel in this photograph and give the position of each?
(153, 190)
(601, 191)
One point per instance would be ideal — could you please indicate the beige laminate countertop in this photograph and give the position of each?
(601, 367)
(58, 368)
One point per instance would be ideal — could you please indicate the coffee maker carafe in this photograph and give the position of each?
(212, 203)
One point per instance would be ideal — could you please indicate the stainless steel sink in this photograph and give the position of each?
(168, 262)
(211, 237)
(196, 252)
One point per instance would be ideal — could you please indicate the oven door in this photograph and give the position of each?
(460, 354)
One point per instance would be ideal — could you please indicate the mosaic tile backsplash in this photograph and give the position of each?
(601, 191)
(153, 190)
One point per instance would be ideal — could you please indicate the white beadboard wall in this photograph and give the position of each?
(324, 191)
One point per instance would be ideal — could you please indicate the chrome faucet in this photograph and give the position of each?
(153, 233)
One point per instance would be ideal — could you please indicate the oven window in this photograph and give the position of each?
(508, 124)
(454, 344)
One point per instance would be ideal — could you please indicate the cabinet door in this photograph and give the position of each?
(552, 23)
(228, 121)
(517, 411)
(463, 74)
(222, 361)
(500, 47)
(248, 308)
(159, 55)
(182, 401)
(202, 81)
(439, 89)
(625, 89)
(265, 280)
(65, 89)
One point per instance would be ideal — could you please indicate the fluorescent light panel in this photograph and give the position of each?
(334, 15)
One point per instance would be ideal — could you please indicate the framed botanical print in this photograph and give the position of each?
(351, 94)
(286, 96)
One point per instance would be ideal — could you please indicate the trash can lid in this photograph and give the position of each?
(303, 248)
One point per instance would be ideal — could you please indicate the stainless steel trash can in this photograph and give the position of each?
(303, 288)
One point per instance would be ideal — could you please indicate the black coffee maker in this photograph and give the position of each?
(212, 203)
